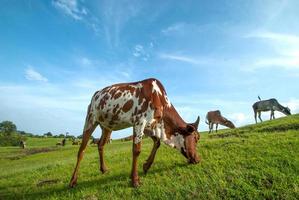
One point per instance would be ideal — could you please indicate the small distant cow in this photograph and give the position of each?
(97, 140)
(127, 138)
(268, 105)
(62, 143)
(144, 106)
(22, 144)
(94, 141)
(76, 142)
(215, 117)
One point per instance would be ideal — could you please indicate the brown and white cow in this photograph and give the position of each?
(144, 106)
(215, 117)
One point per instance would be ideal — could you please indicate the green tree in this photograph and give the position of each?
(7, 127)
(49, 134)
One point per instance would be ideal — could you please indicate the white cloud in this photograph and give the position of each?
(142, 52)
(71, 8)
(238, 118)
(138, 50)
(293, 104)
(33, 75)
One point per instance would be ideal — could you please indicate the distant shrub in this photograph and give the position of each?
(11, 139)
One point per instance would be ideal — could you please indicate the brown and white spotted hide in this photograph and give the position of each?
(141, 105)
(125, 105)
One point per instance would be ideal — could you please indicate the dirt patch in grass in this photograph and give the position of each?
(27, 152)
(47, 182)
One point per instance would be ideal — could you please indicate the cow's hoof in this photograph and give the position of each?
(104, 170)
(136, 183)
(73, 183)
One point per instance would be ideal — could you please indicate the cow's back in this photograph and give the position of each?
(122, 105)
(265, 105)
(213, 116)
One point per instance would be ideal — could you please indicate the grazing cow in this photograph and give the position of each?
(215, 117)
(62, 143)
(144, 106)
(268, 105)
(127, 138)
(76, 142)
(94, 141)
(22, 144)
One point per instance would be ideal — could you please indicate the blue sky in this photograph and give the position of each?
(208, 54)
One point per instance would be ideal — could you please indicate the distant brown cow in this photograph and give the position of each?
(215, 117)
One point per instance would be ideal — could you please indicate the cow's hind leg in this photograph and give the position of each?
(255, 115)
(89, 128)
(259, 114)
(151, 157)
(210, 127)
(272, 115)
(104, 138)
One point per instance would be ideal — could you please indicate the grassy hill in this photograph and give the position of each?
(252, 162)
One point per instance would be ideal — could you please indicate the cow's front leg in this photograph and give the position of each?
(136, 152)
(151, 157)
(137, 138)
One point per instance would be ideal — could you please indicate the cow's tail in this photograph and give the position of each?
(90, 122)
(207, 121)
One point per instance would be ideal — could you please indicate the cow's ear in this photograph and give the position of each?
(190, 128)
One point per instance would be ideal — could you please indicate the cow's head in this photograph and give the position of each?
(286, 111)
(188, 138)
(229, 124)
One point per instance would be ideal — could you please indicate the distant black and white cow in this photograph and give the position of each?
(144, 106)
(269, 105)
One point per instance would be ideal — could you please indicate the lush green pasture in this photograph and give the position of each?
(253, 162)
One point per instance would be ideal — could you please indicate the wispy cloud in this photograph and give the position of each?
(116, 14)
(76, 10)
(278, 37)
(285, 46)
(174, 28)
(71, 8)
(282, 62)
(33, 75)
(183, 58)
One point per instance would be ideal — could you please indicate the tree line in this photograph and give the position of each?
(10, 136)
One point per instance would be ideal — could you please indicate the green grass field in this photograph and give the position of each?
(252, 162)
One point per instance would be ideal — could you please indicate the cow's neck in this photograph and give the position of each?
(171, 123)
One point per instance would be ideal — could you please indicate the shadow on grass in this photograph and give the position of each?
(105, 181)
